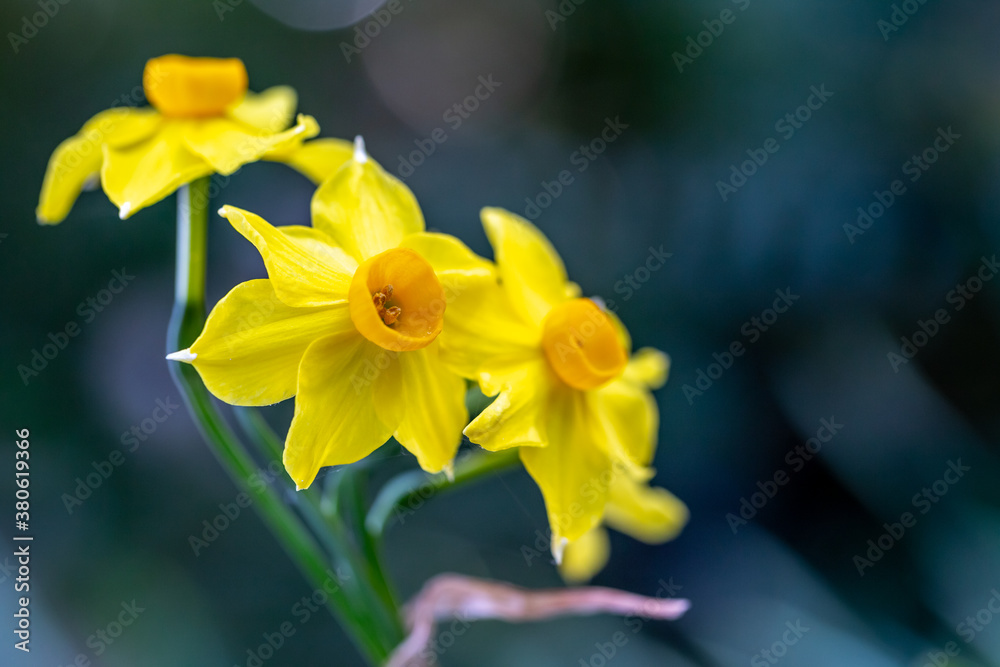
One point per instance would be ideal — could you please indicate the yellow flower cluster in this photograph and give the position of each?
(375, 325)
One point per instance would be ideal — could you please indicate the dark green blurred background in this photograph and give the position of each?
(792, 565)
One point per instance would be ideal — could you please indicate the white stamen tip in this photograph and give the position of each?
(125, 210)
(222, 212)
(449, 471)
(360, 156)
(182, 355)
(558, 548)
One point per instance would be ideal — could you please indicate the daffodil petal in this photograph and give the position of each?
(320, 246)
(585, 557)
(530, 269)
(304, 268)
(122, 126)
(435, 409)
(73, 165)
(227, 145)
(481, 324)
(514, 418)
(250, 349)
(336, 418)
(76, 162)
(648, 367)
(143, 173)
(318, 159)
(515, 367)
(630, 418)
(449, 257)
(572, 471)
(650, 514)
(268, 111)
(365, 210)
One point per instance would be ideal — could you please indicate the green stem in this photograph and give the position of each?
(372, 586)
(332, 531)
(417, 485)
(186, 322)
(356, 487)
(353, 488)
(260, 433)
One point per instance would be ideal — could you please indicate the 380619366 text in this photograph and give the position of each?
(22, 548)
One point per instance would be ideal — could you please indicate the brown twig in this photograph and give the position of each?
(450, 596)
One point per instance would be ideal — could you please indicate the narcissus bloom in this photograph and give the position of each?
(568, 394)
(350, 321)
(203, 120)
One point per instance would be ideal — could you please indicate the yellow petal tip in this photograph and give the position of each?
(187, 356)
(125, 210)
(360, 155)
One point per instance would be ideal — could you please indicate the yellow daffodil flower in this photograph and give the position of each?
(350, 322)
(203, 120)
(568, 395)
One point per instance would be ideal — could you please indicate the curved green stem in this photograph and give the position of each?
(417, 486)
(326, 522)
(186, 322)
(347, 499)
